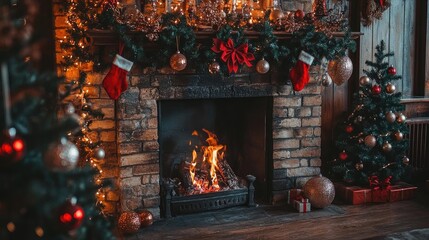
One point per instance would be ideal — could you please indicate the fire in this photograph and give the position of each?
(208, 159)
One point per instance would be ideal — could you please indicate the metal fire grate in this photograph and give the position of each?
(177, 205)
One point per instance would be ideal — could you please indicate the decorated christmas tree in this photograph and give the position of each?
(43, 193)
(371, 141)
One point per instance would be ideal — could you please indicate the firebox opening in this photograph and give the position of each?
(242, 125)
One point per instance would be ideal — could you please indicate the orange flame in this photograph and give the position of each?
(210, 154)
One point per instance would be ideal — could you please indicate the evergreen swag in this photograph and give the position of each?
(199, 55)
(359, 157)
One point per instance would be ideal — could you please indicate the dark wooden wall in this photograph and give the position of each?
(397, 28)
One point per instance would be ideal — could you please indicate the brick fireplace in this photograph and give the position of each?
(295, 130)
(130, 137)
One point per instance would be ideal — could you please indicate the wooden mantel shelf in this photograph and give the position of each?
(109, 37)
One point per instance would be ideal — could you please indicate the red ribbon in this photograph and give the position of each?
(375, 183)
(231, 55)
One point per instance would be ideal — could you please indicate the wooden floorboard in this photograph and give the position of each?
(281, 222)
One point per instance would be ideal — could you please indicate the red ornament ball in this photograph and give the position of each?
(71, 216)
(146, 218)
(391, 70)
(349, 128)
(129, 222)
(12, 147)
(343, 155)
(376, 89)
(299, 14)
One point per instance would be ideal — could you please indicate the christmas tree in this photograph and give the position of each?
(371, 141)
(43, 194)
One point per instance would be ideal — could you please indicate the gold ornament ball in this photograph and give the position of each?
(99, 153)
(405, 160)
(340, 70)
(398, 136)
(401, 118)
(370, 141)
(62, 155)
(214, 67)
(320, 191)
(129, 222)
(178, 61)
(359, 166)
(390, 117)
(390, 88)
(364, 80)
(276, 14)
(146, 218)
(262, 66)
(387, 147)
(326, 80)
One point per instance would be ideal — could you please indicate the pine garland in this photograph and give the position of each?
(199, 55)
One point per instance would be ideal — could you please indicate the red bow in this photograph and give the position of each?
(233, 56)
(375, 184)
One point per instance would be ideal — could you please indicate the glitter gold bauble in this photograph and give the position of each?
(390, 117)
(214, 67)
(340, 70)
(401, 118)
(359, 166)
(178, 61)
(370, 141)
(320, 191)
(405, 160)
(364, 80)
(146, 218)
(276, 14)
(390, 88)
(326, 80)
(129, 222)
(262, 66)
(387, 147)
(62, 155)
(398, 136)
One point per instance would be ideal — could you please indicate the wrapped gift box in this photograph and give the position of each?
(293, 194)
(401, 191)
(380, 195)
(359, 195)
(302, 206)
(353, 194)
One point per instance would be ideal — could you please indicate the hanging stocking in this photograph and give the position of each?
(115, 81)
(299, 74)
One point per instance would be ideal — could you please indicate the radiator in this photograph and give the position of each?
(418, 136)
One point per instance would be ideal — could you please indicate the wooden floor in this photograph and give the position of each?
(281, 222)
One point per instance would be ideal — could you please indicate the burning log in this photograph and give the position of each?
(228, 175)
(185, 175)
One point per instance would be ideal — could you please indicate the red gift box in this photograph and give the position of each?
(380, 195)
(353, 194)
(401, 191)
(293, 194)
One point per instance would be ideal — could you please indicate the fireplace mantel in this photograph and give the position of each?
(101, 37)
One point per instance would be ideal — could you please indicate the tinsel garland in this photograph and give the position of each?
(174, 26)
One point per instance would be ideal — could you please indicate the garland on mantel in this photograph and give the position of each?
(310, 34)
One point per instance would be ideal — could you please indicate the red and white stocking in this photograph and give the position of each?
(115, 81)
(299, 74)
